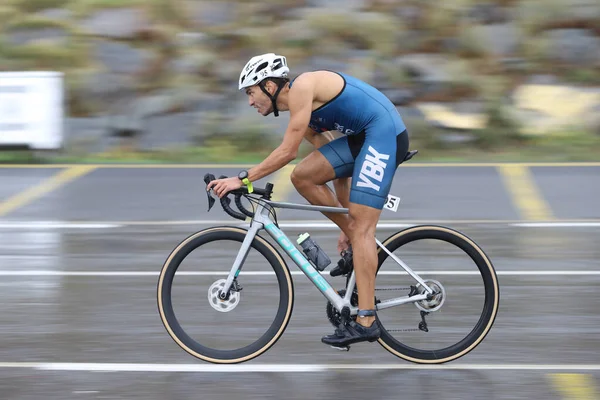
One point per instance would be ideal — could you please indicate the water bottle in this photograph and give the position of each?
(313, 252)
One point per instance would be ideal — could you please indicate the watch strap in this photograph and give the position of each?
(247, 182)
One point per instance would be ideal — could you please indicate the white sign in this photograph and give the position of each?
(32, 109)
(392, 203)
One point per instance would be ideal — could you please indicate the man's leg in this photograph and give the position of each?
(363, 222)
(310, 177)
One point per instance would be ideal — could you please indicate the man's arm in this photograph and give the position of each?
(300, 105)
(341, 185)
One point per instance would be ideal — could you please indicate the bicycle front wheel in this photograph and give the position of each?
(454, 320)
(239, 328)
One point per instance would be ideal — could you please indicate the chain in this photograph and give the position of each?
(400, 288)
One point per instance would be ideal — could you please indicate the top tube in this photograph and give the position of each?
(306, 207)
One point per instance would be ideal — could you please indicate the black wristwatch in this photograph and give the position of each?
(243, 176)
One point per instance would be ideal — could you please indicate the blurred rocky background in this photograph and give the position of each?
(473, 79)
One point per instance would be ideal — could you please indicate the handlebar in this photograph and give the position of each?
(226, 201)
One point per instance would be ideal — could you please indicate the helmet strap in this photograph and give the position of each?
(273, 97)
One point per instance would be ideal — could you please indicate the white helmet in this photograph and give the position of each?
(267, 65)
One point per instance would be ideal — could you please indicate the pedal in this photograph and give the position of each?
(343, 348)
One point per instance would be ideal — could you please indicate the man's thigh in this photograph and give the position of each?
(339, 156)
(375, 167)
(315, 168)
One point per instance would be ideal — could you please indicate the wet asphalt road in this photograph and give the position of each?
(130, 219)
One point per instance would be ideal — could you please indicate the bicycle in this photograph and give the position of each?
(428, 295)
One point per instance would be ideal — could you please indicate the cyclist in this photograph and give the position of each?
(374, 143)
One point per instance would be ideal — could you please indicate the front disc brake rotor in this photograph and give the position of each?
(219, 304)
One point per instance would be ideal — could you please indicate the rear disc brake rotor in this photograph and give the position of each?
(437, 301)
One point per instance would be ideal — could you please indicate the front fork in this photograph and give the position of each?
(239, 260)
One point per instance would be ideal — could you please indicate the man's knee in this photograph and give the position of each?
(361, 227)
(298, 176)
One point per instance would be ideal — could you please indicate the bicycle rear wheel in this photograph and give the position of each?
(459, 317)
(231, 331)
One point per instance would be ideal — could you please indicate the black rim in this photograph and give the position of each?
(263, 341)
(449, 236)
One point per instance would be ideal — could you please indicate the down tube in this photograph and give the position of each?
(314, 275)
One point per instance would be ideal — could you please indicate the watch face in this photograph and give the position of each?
(243, 175)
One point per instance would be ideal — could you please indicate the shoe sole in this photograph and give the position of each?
(352, 342)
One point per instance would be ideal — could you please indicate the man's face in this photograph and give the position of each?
(259, 100)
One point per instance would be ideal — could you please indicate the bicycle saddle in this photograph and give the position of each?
(410, 155)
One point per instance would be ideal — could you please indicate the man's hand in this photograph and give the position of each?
(343, 243)
(222, 186)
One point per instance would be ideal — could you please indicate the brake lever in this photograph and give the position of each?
(207, 179)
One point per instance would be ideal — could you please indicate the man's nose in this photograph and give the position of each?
(250, 101)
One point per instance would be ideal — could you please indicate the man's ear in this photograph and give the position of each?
(271, 87)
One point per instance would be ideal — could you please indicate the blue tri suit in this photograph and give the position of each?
(375, 139)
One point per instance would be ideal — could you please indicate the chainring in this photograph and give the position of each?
(334, 316)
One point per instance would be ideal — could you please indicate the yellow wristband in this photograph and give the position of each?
(247, 182)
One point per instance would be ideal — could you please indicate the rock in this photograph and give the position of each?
(88, 134)
(410, 14)
(228, 72)
(426, 67)
(399, 96)
(296, 32)
(361, 64)
(463, 116)
(430, 72)
(188, 39)
(50, 36)
(121, 58)
(107, 84)
(347, 5)
(450, 44)
(321, 62)
(451, 137)
(582, 9)
(56, 14)
(498, 39)
(516, 64)
(167, 102)
(192, 62)
(486, 13)
(411, 113)
(576, 46)
(117, 23)
(208, 14)
(167, 131)
(542, 108)
(542, 80)
(102, 92)
(186, 65)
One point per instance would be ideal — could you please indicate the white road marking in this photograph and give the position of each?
(267, 273)
(294, 224)
(124, 367)
(558, 224)
(58, 225)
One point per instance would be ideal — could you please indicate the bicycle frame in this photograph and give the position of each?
(262, 220)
